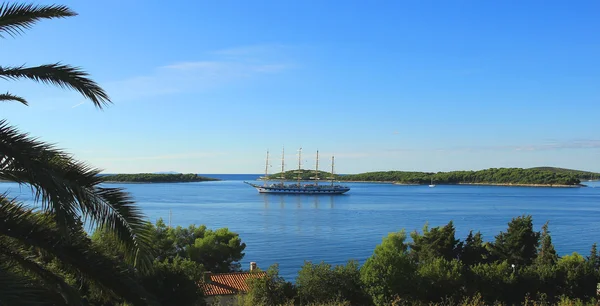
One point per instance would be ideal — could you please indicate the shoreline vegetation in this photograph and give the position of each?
(431, 266)
(519, 266)
(156, 178)
(505, 185)
(518, 177)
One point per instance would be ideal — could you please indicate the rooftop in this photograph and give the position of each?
(228, 283)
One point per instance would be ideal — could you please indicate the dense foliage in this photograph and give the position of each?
(582, 175)
(519, 267)
(180, 258)
(157, 178)
(217, 251)
(182, 255)
(489, 176)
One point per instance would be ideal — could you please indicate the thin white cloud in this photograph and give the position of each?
(78, 104)
(272, 51)
(201, 74)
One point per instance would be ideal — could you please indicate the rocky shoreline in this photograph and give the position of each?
(504, 184)
(525, 185)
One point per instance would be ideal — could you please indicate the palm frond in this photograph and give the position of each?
(16, 18)
(75, 250)
(11, 254)
(18, 152)
(68, 189)
(10, 97)
(64, 76)
(18, 289)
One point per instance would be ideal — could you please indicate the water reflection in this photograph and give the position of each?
(300, 200)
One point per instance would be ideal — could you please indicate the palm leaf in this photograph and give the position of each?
(11, 254)
(69, 189)
(10, 97)
(64, 76)
(75, 250)
(17, 289)
(16, 18)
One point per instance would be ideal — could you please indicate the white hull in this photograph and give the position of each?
(310, 189)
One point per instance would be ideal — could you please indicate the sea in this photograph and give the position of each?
(290, 229)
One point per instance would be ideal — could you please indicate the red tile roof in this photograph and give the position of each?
(228, 283)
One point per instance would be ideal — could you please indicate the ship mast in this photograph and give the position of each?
(317, 170)
(266, 169)
(332, 173)
(299, 166)
(282, 166)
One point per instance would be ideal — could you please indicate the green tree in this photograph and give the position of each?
(66, 188)
(579, 279)
(321, 283)
(269, 290)
(163, 241)
(545, 280)
(217, 251)
(173, 281)
(518, 245)
(593, 260)
(440, 279)
(495, 282)
(390, 272)
(546, 253)
(434, 243)
(473, 251)
(172, 285)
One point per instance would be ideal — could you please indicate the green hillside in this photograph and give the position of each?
(157, 178)
(516, 176)
(508, 176)
(582, 175)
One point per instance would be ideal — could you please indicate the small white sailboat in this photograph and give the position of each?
(432, 184)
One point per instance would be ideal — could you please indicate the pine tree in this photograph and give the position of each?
(593, 259)
(435, 242)
(546, 253)
(519, 244)
(473, 251)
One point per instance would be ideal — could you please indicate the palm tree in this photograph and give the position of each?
(69, 192)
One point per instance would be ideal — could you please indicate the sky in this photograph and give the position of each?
(210, 86)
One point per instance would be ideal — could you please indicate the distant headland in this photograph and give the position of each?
(538, 177)
(156, 178)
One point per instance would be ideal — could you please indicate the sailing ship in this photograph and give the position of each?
(299, 187)
(432, 184)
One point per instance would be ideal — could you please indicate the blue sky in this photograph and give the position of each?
(209, 86)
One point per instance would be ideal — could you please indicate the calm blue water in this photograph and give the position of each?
(288, 229)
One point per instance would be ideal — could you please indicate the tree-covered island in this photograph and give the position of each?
(582, 175)
(543, 176)
(157, 178)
